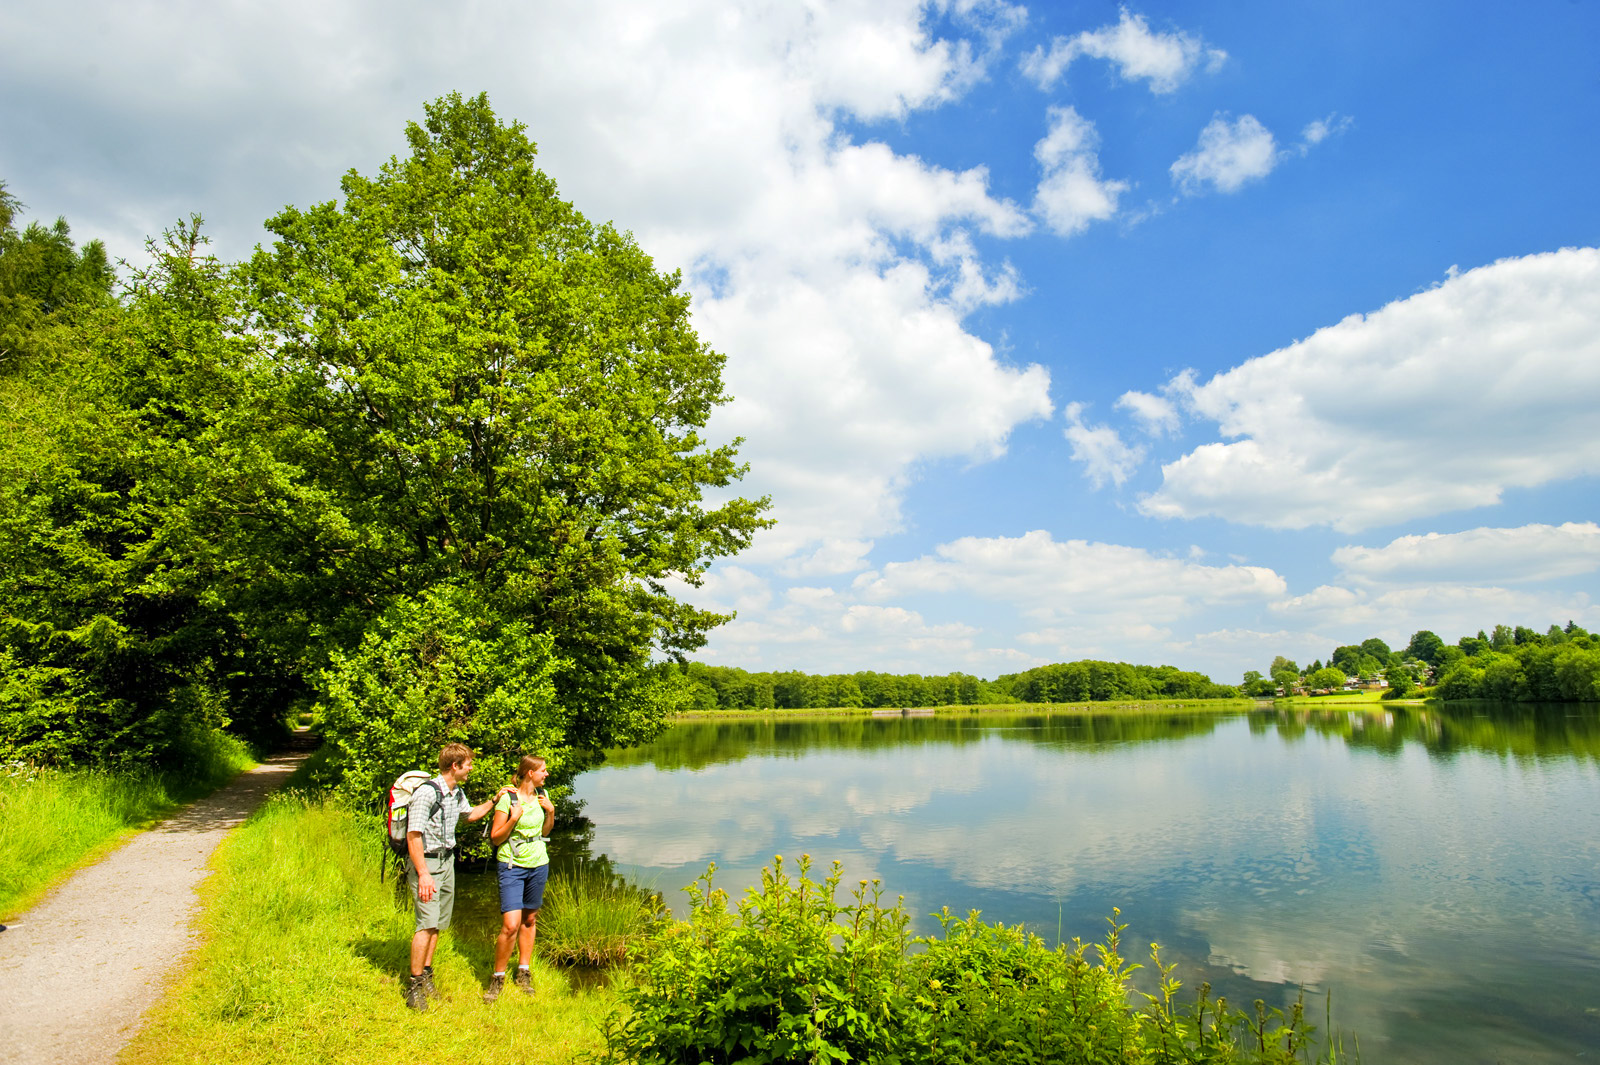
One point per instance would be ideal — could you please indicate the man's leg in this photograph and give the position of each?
(422, 944)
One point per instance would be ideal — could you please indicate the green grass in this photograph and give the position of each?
(304, 951)
(592, 916)
(1372, 698)
(54, 822)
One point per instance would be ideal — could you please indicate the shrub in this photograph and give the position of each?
(791, 975)
(765, 984)
(431, 671)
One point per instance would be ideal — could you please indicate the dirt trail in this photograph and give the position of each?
(79, 970)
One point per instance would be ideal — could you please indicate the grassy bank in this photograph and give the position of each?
(303, 953)
(1366, 699)
(54, 822)
(1123, 706)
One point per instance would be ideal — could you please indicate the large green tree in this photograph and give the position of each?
(498, 395)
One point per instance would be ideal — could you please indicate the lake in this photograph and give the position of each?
(1437, 873)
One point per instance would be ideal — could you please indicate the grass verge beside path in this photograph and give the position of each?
(303, 952)
(1113, 706)
(53, 822)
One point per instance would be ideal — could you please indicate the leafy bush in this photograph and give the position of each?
(988, 993)
(792, 975)
(434, 670)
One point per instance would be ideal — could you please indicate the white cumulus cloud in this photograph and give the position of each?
(1447, 609)
(1163, 60)
(1053, 579)
(1156, 415)
(1071, 193)
(1496, 556)
(1101, 449)
(1228, 155)
(1435, 403)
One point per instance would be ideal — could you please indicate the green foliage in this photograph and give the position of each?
(730, 688)
(50, 819)
(430, 672)
(1093, 681)
(124, 622)
(448, 381)
(498, 395)
(764, 983)
(1425, 645)
(1514, 664)
(47, 284)
(793, 975)
(1326, 678)
(993, 993)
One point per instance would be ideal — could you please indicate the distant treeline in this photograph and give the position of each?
(1520, 665)
(730, 688)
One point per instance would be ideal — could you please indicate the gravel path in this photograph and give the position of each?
(79, 970)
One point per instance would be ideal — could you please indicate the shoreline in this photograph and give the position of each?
(1108, 708)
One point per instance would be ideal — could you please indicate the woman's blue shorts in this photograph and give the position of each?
(521, 889)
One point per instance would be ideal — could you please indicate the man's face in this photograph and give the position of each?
(462, 769)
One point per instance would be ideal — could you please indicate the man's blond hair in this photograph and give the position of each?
(452, 755)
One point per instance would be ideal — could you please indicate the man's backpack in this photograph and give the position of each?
(397, 811)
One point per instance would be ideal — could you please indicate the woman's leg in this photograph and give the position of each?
(511, 923)
(513, 886)
(525, 937)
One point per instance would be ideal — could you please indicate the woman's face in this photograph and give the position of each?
(536, 777)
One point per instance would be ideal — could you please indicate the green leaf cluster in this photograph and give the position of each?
(793, 975)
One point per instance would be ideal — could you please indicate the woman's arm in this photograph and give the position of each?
(549, 813)
(504, 821)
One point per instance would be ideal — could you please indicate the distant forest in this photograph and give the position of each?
(729, 688)
(1510, 663)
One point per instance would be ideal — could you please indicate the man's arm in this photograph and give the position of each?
(425, 885)
(478, 812)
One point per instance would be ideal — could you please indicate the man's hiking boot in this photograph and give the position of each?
(523, 981)
(495, 984)
(428, 988)
(416, 994)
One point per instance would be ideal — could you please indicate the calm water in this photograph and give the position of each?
(1439, 874)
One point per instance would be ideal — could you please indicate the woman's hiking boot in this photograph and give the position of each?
(523, 981)
(416, 993)
(496, 982)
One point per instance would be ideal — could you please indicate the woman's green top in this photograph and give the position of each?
(526, 847)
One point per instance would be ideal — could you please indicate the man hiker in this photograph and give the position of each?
(430, 842)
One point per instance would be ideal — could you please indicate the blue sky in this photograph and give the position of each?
(1164, 333)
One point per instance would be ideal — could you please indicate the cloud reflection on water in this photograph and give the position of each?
(1385, 857)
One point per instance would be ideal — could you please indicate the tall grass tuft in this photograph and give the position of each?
(305, 951)
(592, 916)
(52, 820)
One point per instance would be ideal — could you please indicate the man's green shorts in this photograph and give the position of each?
(435, 913)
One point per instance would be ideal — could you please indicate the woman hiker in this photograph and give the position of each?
(523, 817)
